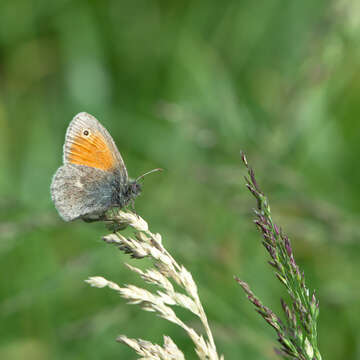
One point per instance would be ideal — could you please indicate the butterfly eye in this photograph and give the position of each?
(86, 132)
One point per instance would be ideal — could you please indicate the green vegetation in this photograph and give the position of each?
(183, 86)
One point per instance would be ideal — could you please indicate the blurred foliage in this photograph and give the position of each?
(181, 85)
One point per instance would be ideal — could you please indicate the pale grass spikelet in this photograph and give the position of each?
(132, 220)
(148, 350)
(188, 282)
(171, 297)
(112, 239)
(153, 276)
(101, 282)
(97, 281)
(144, 243)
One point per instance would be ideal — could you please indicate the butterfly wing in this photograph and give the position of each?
(88, 143)
(82, 191)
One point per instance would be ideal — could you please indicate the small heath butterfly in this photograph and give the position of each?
(93, 178)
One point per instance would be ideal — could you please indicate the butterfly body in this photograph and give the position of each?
(93, 178)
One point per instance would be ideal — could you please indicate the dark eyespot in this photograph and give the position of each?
(86, 132)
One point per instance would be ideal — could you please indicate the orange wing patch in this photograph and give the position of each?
(91, 149)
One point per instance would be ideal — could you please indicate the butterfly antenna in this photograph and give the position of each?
(147, 173)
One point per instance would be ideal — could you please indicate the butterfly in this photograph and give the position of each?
(93, 178)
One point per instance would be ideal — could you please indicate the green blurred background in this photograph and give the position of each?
(182, 85)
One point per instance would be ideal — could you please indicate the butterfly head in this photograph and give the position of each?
(133, 190)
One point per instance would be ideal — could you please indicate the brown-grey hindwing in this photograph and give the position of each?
(81, 190)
